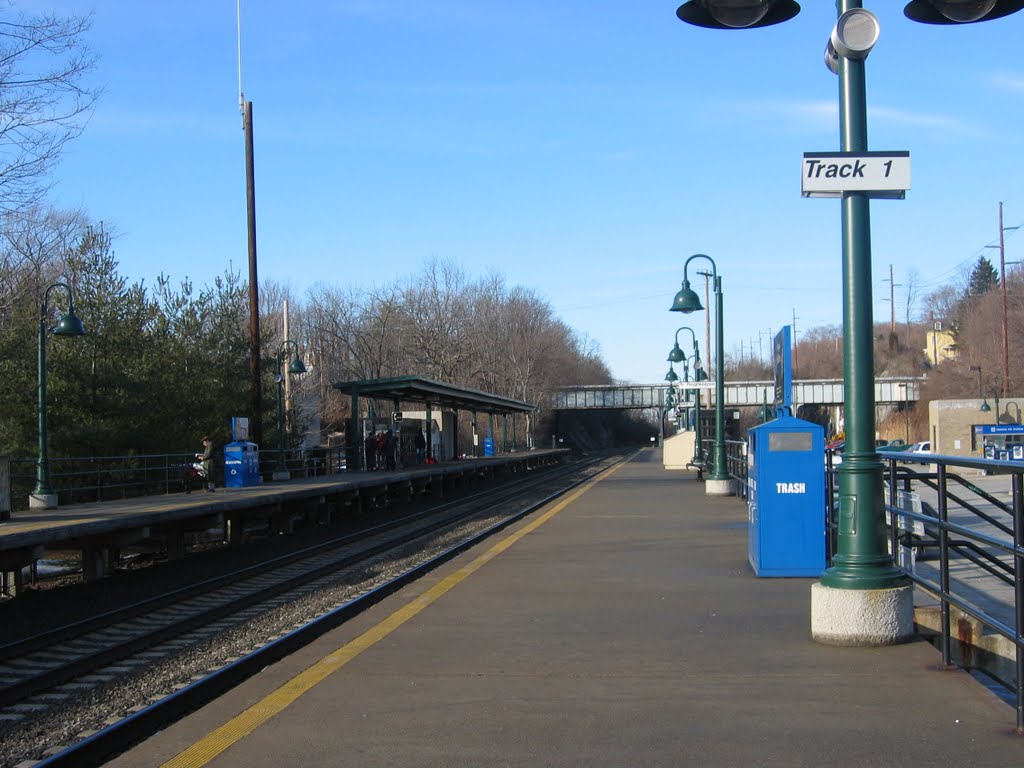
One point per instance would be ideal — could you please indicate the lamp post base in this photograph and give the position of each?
(719, 488)
(861, 617)
(42, 501)
(281, 474)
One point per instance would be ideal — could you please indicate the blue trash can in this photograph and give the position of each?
(241, 465)
(786, 498)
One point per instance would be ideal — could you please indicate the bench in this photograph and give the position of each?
(701, 464)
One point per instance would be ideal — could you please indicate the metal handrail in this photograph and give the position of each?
(80, 479)
(736, 464)
(1000, 556)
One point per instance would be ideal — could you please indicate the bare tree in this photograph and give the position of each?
(45, 101)
(33, 243)
(437, 301)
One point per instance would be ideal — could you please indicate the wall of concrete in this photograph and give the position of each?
(951, 423)
(679, 449)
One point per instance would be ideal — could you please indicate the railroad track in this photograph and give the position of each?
(78, 693)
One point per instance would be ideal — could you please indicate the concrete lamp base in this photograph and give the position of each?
(719, 488)
(861, 617)
(42, 501)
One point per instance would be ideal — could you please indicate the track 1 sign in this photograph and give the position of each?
(877, 174)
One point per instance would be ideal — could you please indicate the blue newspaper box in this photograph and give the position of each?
(241, 465)
(786, 498)
(488, 446)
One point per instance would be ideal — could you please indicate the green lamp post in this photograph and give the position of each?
(671, 377)
(295, 367)
(686, 300)
(698, 375)
(862, 599)
(677, 355)
(43, 496)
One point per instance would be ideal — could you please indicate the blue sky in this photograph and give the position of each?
(584, 149)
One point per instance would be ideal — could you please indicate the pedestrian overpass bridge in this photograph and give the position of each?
(829, 392)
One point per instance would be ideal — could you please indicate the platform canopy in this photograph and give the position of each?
(413, 389)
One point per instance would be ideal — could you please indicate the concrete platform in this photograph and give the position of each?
(621, 627)
(100, 529)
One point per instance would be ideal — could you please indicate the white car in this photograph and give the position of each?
(925, 446)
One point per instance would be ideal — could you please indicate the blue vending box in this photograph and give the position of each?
(241, 464)
(786, 498)
(488, 446)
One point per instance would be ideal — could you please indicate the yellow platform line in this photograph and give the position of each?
(216, 742)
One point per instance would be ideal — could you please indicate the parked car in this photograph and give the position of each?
(925, 446)
(891, 445)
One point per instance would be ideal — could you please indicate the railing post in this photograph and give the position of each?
(5, 488)
(944, 567)
(1018, 588)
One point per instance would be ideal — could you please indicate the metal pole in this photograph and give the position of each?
(69, 325)
(281, 468)
(698, 452)
(42, 489)
(1018, 543)
(254, 295)
(861, 560)
(720, 471)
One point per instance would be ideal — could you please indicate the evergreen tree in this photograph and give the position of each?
(983, 278)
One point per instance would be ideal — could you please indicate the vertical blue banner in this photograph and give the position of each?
(782, 357)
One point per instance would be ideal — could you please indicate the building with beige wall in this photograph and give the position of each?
(951, 423)
(940, 345)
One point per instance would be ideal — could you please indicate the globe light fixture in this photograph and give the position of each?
(737, 14)
(960, 11)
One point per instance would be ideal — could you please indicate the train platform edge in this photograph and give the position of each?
(620, 626)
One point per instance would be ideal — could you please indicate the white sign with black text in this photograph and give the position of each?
(878, 174)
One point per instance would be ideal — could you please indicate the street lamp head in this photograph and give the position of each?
(686, 300)
(960, 11)
(69, 324)
(737, 14)
(985, 407)
(671, 376)
(297, 366)
(676, 355)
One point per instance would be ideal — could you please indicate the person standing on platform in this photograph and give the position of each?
(206, 459)
(421, 447)
(389, 451)
(370, 444)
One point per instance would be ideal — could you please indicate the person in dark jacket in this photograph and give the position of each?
(206, 459)
(370, 445)
(421, 447)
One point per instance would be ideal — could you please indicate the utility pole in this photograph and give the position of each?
(892, 301)
(893, 339)
(1002, 290)
(255, 383)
